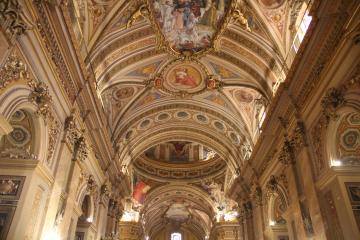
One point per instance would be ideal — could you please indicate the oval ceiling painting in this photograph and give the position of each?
(184, 76)
(189, 25)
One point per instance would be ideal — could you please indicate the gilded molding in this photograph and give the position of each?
(53, 49)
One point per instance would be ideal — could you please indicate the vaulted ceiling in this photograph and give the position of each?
(219, 104)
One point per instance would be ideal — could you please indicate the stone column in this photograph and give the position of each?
(110, 217)
(257, 212)
(103, 210)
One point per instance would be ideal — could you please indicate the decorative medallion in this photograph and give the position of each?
(219, 126)
(163, 117)
(185, 77)
(18, 116)
(129, 134)
(19, 136)
(201, 118)
(145, 124)
(189, 27)
(182, 115)
(234, 138)
(348, 139)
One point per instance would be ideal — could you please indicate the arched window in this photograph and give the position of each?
(176, 236)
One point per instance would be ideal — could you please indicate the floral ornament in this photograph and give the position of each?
(40, 95)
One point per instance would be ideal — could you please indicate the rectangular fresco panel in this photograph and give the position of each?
(11, 186)
(353, 189)
(189, 24)
(6, 216)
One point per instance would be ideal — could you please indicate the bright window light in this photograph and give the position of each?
(176, 236)
(336, 163)
(301, 30)
(304, 25)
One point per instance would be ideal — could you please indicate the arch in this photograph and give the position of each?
(350, 106)
(276, 194)
(343, 144)
(82, 194)
(135, 147)
(17, 98)
(195, 201)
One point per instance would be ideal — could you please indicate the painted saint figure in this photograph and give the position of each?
(183, 78)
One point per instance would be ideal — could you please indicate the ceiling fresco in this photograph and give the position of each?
(179, 152)
(185, 85)
(348, 139)
(189, 26)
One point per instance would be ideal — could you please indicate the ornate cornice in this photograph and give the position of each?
(191, 172)
(11, 20)
(49, 38)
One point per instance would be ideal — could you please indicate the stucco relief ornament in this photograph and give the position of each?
(40, 95)
(91, 185)
(256, 194)
(239, 17)
(246, 150)
(245, 210)
(70, 127)
(80, 151)
(14, 69)
(331, 102)
(106, 189)
(273, 185)
(287, 155)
